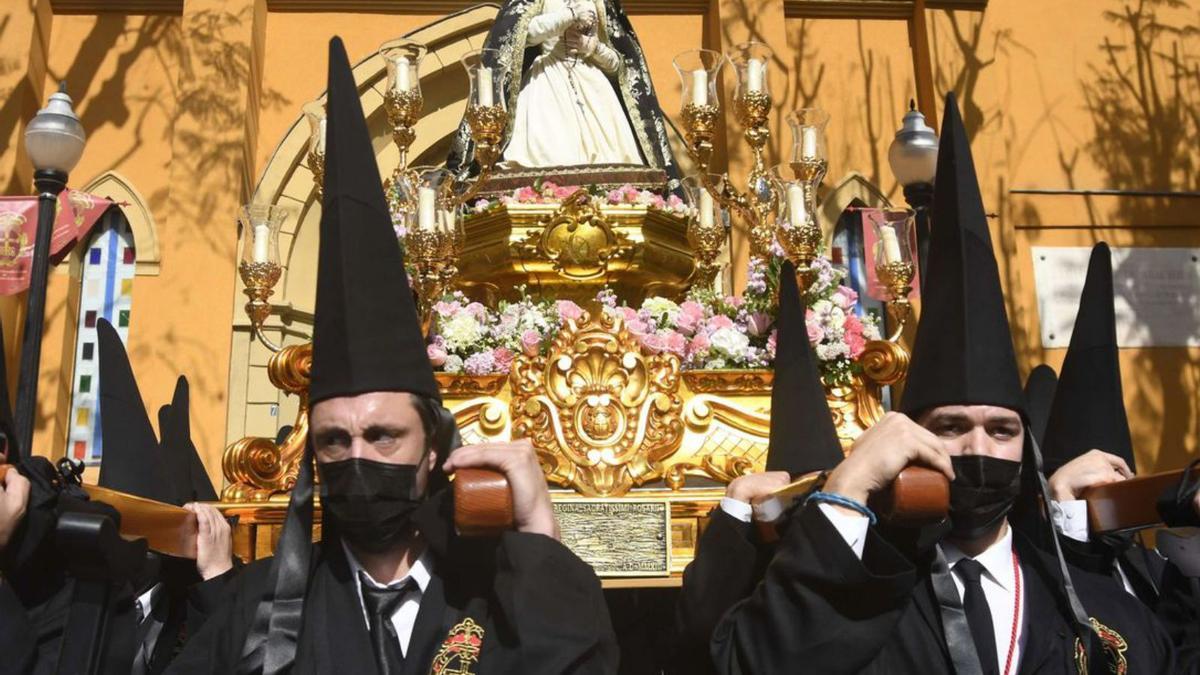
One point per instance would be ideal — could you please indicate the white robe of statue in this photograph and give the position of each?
(568, 113)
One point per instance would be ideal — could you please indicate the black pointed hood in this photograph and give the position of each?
(803, 438)
(1039, 395)
(963, 353)
(189, 479)
(130, 460)
(1089, 407)
(367, 335)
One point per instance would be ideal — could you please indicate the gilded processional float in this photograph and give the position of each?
(569, 279)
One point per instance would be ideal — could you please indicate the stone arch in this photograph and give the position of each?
(255, 407)
(120, 189)
(853, 186)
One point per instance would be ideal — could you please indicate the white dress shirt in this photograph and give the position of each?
(1071, 520)
(148, 599)
(767, 511)
(999, 584)
(405, 616)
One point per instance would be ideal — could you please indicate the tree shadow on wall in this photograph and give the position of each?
(1144, 100)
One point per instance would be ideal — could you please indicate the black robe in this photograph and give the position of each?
(1143, 567)
(729, 561)
(822, 610)
(540, 608)
(16, 637)
(181, 612)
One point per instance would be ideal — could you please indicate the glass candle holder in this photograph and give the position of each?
(434, 207)
(260, 233)
(486, 75)
(893, 237)
(314, 113)
(751, 61)
(403, 59)
(795, 207)
(698, 71)
(808, 134)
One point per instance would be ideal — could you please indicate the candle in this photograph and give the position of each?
(808, 143)
(891, 244)
(321, 137)
(797, 211)
(403, 74)
(755, 70)
(445, 220)
(262, 241)
(700, 87)
(483, 86)
(426, 208)
(706, 209)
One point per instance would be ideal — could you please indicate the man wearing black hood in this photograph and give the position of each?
(846, 596)
(731, 554)
(390, 588)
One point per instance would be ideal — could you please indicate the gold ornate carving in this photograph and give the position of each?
(464, 386)
(577, 239)
(256, 468)
(601, 415)
(729, 381)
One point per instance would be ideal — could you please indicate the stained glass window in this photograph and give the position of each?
(106, 293)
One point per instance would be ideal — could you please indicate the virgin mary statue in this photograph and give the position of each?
(577, 87)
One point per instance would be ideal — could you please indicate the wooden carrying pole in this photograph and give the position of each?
(1128, 504)
(167, 529)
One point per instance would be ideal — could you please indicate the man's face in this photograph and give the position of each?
(382, 426)
(977, 430)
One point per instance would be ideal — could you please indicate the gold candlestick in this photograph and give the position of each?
(259, 266)
(487, 125)
(403, 112)
(316, 163)
(896, 276)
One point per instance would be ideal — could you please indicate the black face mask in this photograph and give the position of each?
(370, 504)
(982, 493)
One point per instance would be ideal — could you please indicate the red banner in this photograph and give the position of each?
(76, 214)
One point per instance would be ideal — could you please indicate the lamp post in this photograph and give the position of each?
(913, 158)
(54, 140)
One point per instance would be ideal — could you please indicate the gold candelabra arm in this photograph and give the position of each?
(316, 163)
(260, 279)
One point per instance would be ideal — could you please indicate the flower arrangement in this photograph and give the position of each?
(547, 192)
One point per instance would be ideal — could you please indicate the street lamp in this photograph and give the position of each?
(54, 140)
(913, 158)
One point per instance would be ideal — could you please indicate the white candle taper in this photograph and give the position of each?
(321, 138)
(700, 87)
(426, 208)
(483, 87)
(797, 211)
(755, 70)
(706, 209)
(403, 74)
(262, 241)
(808, 143)
(891, 244)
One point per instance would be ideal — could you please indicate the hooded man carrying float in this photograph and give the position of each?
(391, 588)
(731, 553)
(845, 596)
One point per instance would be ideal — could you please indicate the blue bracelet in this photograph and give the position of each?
(832, 498)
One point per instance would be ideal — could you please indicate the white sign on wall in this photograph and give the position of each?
(1157, 294)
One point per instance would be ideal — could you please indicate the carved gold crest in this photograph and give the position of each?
(460, 650)
(601, 414)
(578, 240)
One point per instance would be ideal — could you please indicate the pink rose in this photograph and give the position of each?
(503, 357)
(845, 298)
(526, 194)
(568, 311)
(813, 322)
(698, 345)
(627, 314)
(758, 323)
(653, 342)
(718, 322)
(691, 315)
(676, 343)
(638, 327)
(531, 342)
(564, 192)
(437, 354)
(615, 196)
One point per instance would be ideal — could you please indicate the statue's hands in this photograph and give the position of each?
(14, 500)
(882, 452)
(580, 44)
(585, 16)
(214, 541)
(1090, 469)
(532, 510)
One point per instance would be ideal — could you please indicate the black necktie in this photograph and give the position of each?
(979, 615)
(381, 604)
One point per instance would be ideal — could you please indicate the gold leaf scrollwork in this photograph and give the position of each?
(577, 239)
(601, 414)
(257, 468)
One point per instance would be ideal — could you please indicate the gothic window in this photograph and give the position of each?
(107, 272)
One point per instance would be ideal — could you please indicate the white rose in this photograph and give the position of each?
(729, 341)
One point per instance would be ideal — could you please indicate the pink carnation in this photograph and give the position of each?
(526, 194)
(698, 345)
(718, 322)
(815, 332)
(638, 327)
(564, 192)
(676, 343)
(531, 342)
(691, 315)
(855, 341)
(437, 354)
(653, 342)
(627, 314)
(614, 196)
(568, 311)
(503, 358)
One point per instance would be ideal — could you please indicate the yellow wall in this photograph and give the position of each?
(191, 107)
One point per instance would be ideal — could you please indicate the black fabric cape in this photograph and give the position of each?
(634, 87)
(822, 610)
(541, 609)
(182, 612)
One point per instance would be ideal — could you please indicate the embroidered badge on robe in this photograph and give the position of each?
(460, 650)
(1114, 646)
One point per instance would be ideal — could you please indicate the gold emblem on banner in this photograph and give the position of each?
(460, 650)
(12, 238)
